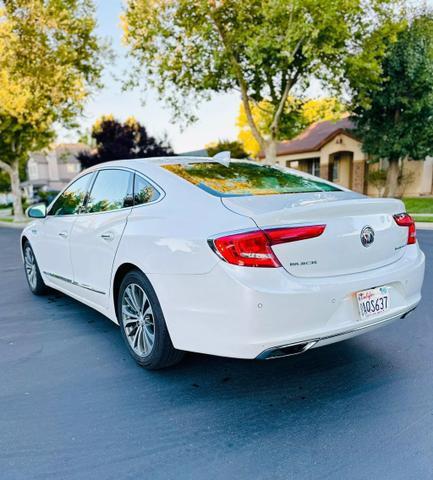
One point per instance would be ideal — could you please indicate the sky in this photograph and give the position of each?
(216, 118)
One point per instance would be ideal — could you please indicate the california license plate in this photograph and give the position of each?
(373, 302)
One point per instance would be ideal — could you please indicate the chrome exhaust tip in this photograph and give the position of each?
(286, 350)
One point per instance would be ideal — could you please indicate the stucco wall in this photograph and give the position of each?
(417, 178)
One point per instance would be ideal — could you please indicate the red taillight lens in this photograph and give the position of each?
(250, 249)
(405, 220)
(253, 249)
(292, 234)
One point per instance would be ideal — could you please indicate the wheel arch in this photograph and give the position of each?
(24, 239)
(121, 271)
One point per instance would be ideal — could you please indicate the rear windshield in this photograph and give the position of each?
(242, 178)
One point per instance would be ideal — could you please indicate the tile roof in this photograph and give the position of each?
(315, 136)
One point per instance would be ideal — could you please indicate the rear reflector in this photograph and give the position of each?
(253, 249)
(405, 220)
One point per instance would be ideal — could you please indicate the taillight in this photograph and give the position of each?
(253, 249)
(405, 220)
(292, 234)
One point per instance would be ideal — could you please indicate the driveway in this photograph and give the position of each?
(73, 404)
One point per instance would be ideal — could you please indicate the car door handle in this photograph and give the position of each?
(63, 234)
(107, 236)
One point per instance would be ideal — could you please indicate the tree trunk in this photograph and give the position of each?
(14, 175)
(271, 152)
(392, 178)
(16, 192)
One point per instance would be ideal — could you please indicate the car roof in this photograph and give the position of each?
(159, 161)
(153, 164)
(152, 167)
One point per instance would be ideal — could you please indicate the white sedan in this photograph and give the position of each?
(230, 258)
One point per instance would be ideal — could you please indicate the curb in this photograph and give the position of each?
(424, 225)
(13, 225)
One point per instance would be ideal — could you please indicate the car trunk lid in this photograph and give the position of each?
(339, 249)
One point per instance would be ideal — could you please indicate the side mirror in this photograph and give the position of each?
(37, 211)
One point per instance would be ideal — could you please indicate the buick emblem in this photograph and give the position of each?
(367, 236)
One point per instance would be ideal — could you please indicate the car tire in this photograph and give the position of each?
(143, 325)
(31, 269)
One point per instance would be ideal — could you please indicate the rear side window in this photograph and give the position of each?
(143, 191)
(246, 178)
(72, 198)
(112, 190)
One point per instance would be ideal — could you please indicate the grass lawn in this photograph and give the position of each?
(423, 219)
(6, 219)
(419, 204)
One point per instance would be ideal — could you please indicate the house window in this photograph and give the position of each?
(33, 171)
(335, 170)
(314, 167)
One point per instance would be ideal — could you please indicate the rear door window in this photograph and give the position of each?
(112, 190)
(246, 178)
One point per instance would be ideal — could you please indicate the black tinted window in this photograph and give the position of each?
(72, 198)
(112, 190)
(143, 191)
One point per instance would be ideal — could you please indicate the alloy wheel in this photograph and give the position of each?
(138, 320)
(30, 264)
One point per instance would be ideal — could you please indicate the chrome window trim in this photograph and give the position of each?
(95, 172)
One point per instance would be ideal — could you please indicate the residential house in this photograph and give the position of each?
(331, 150)
(53, 169)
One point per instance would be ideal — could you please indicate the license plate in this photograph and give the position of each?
(373, 302)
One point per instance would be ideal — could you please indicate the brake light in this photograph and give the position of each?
(254, 248)
(293, 234)
(405, 220)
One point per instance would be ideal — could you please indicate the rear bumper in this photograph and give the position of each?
(301, 347)
(244, 312)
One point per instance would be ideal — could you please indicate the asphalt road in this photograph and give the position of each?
(73, 405)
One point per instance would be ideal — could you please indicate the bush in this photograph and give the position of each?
(378, 179)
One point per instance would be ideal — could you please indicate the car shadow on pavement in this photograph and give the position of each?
(324, 374)
(325, 371)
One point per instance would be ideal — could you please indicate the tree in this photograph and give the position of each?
(16, 140)
(268, 50)
(235, 148)
(397, 122)
(119, 141)
(49, 60)
(298, 115)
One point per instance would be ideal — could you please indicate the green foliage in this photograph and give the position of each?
(50, 59)
(234, 147)
(398, 121)
(378, 179)
(5, 182)
(17, 139)
(298, 114)
(265, 48)
(115, 140)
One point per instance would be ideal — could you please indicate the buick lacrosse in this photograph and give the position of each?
(224, 257)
